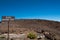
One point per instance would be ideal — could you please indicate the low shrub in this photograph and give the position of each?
(31, 35)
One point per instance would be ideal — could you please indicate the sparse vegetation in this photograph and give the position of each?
(2, 36)
(31, 35)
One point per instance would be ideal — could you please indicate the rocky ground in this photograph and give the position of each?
(27, 25)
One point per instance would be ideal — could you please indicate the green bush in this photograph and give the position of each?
(31, 35)
(1, 36)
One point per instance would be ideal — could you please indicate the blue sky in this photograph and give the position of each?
(31, 9)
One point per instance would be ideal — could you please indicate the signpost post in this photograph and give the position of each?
(8, 29)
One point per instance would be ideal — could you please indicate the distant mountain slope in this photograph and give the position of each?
(39, 23)
(34, 24)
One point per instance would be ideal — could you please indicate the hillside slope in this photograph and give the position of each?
(34, 24)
